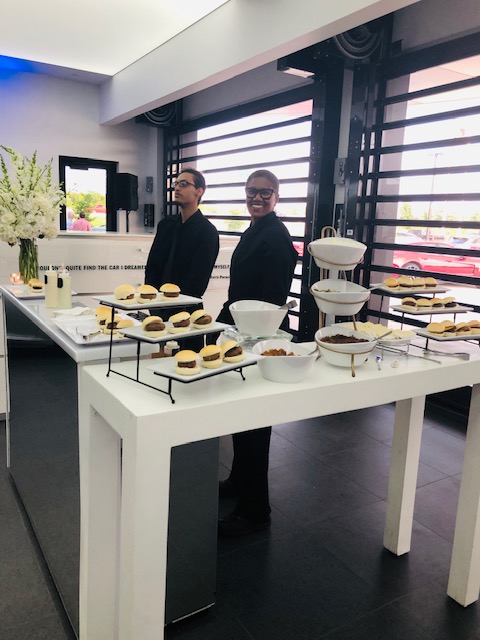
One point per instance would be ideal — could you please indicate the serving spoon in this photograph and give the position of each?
(291, 304)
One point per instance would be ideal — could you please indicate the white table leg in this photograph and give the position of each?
(144, 530)
(99, 513)
(402, 483)
(464, 579)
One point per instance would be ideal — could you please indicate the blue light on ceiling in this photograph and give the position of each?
(16, 64)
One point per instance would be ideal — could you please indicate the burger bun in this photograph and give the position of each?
(124, 292)
(184, 357)
(210, 351)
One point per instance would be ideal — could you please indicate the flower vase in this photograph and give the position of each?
(28, 260)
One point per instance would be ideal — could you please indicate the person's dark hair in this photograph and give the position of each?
(82, 214)
(198, 179)
(268, 175)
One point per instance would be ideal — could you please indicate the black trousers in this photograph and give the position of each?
(249, 473)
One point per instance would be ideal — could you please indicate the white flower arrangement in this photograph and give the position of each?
(29, 201)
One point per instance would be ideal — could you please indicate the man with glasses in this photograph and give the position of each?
(262, 268)
(186, 245)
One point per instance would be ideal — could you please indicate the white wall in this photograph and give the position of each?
(61, 117)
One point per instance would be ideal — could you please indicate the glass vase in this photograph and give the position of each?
(28, 260)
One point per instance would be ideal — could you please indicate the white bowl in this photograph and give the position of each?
(342, 354)
(342, 254)
(285, 368)
(339, 297)
(257, 318)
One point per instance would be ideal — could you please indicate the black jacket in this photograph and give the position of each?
(183, 254)
(262, 265)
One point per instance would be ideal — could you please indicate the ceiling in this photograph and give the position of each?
(91, 39)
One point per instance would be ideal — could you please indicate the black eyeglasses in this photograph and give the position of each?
(182, 184)
(265, 194)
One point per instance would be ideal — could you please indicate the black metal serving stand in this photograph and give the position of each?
(135, 334)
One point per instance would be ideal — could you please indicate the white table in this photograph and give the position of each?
(124, 501)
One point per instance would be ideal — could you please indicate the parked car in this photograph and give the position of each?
(299, 247)
(439, 263)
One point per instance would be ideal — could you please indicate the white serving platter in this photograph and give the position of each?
(424, 333)
(427, 312)
(24, 292)
(402, 291)
(135, 304)
(137, 333)
(82, 330)
(165, 367)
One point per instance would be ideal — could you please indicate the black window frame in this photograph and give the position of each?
(111, 168)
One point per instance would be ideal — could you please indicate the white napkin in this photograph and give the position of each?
(75, 311)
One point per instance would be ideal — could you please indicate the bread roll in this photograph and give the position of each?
(211, 356)
(146, 292)
(180, 322)
(169, 291)
(154, 326)
(391, 282)
(201, 319)
(232, 351)
(186, 362)
(436, 328)
(124, 292)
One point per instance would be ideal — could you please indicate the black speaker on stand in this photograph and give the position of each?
(126, 193)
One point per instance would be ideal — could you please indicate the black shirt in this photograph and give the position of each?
(183, 253)
(262, 265)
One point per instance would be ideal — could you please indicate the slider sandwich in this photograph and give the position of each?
(418, 282)
(405, 282)
(430, 282)
(391, 283)
(102, 314)
(124, 292)
(110, 325)
(169, 291)
(180, 322)
(232, 351)
(154, 326)
(35, 284)
(124, 324)
(475, 326)
(462, 328)
(449, 303)
(409, 302)
(437, 303)
(186, 362)
(436, 328)
(424, 304)
(449, 327)
(200, 319)
(146, 292)
(211, 356)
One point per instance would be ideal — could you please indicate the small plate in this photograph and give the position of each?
(24, 292)
(165, 367)
(408, 291)
(415, 311)
(425, 334)
(77, 328)
(137, 333)
(181, 301)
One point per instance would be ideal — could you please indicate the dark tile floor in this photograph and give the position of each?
(321, 572)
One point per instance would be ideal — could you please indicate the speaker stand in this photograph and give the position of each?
(127, 227)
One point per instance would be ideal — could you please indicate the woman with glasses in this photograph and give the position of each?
(186, 245)
(262, 268)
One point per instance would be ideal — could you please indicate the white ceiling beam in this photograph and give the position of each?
(239, 36)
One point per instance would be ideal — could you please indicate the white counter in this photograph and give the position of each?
(123, 542)
(35, 310)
